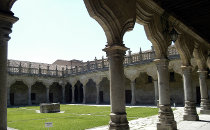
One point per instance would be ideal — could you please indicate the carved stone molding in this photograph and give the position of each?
(185, 47)
(201, 54)
(6, 22)
(115, 17)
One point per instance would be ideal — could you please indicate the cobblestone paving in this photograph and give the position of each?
(149, 123)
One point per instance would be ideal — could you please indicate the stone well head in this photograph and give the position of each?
(49, 107)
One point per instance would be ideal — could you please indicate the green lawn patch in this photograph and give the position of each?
(76, 117)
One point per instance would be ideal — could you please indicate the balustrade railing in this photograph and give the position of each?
(89, 66)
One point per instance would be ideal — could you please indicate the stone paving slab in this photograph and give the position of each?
(149, 123)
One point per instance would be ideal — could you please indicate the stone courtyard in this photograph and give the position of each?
(149, 123)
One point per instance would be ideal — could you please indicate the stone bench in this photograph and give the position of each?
(49, 107)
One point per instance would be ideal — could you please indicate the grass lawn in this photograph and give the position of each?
(76, 117)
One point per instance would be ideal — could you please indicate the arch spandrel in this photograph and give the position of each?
(152, 71)
(208, 62)
(97, 78)
(131, 74)
(84, 79)
(201, 55)
(115, 17)
(185, 47)
(154, 23)
(176, 66)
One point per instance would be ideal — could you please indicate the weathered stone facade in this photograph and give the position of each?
(116, 17)
(59, 88)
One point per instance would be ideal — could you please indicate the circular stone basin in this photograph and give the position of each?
(49, 107)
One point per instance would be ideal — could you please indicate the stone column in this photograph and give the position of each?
(63, 94)
(29, 95)
(84, 94)
(73, 99)
(47, 94)
(166, 117)
(118, 116)
(205, 103)
(8, 96)
(98, 94)
(6, 22)
(190, 113)
(133, 89)
(156, 93)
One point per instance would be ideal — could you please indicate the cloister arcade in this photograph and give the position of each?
(88, 92)
(116, 18)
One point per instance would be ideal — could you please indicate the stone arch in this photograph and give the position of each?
(91, 93)
(145, 93)
(55, 92)
(68, 92)
(201, 54)
(19, 93)
(104, 91)
(114, 21)
(38, 93)
(78, 92)
(155, 25)
(184, 46)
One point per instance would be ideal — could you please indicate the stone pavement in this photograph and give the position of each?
(149, 123)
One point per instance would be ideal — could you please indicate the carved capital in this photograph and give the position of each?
(186, 69)
(162, 63)
(6, 22)
(202, 74)
(115, 50)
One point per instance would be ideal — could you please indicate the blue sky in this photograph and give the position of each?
(62, 29)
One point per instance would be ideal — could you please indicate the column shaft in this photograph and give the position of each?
(190, 112)
(6, 22)
(47, 94)
(3, 86)
(166, 116)
(84, 94)
(73, 99)
(133, 90)
(118, 117)
(156, 93)
(63, 94)
(205, 103)
(29, 95)
(97, 94)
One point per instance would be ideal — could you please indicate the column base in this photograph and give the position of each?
(205, 106)
(118, 122)
(166, 118)
(157, 103)
(97, 102)
(190, 113)
(205, 112)
(133, 103)
(161, 126)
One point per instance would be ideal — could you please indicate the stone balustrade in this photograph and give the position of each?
(36, 69)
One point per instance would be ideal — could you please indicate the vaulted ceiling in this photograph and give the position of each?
(193, 13)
